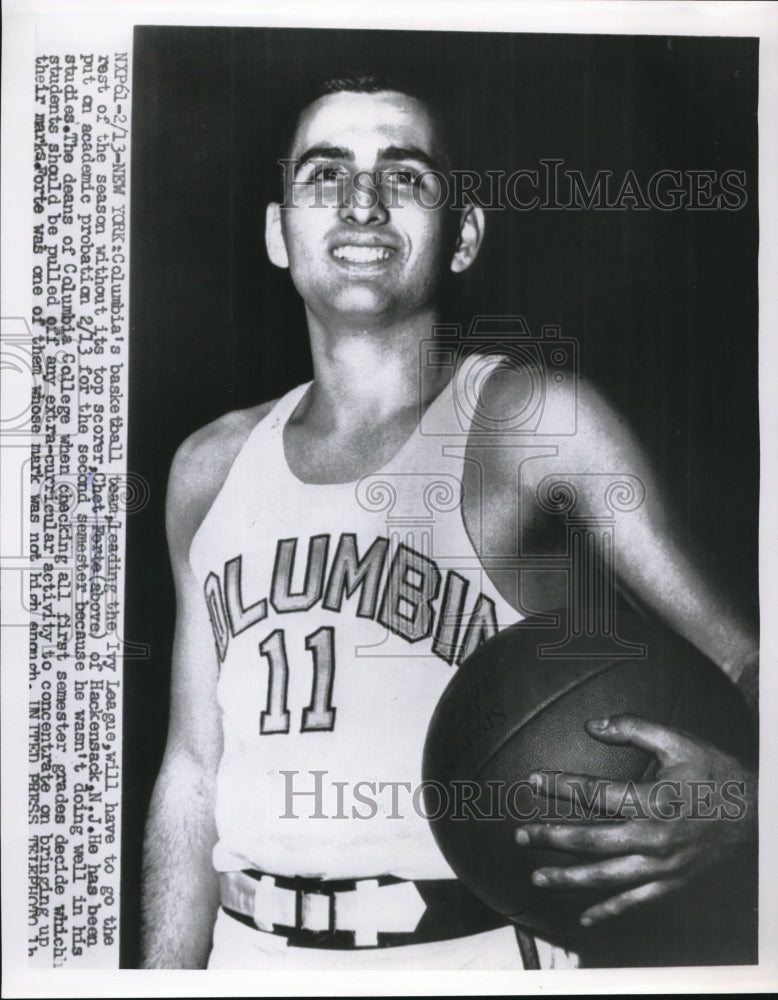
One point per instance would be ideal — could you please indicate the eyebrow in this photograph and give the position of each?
(388, 153)
(408, 153)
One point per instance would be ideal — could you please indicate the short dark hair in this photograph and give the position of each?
(363, 80)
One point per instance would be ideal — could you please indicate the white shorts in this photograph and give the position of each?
(236, 946)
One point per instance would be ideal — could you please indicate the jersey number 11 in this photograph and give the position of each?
(319, 714)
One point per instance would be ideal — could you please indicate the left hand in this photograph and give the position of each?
(674, 830)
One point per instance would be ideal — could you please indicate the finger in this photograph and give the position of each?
(625, 901)
(669, 745)
(591, 797)
(605, 839)
(614, 873)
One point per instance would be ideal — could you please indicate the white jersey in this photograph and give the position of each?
(340, 612)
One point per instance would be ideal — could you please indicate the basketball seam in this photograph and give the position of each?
(544, 707)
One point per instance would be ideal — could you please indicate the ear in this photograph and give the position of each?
(274, 236)
(471, 234)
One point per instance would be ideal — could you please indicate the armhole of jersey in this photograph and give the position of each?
(281, 409)
(497, 360)
(460, 391)
(228, 476)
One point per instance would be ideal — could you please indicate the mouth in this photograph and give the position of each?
(351, 253)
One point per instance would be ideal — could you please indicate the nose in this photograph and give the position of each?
(362, 202)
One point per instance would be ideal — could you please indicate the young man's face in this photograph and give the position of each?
(362, 234)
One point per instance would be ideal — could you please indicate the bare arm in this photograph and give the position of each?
(645, 859)
(657, 561)
(179, 884)
(180, 887)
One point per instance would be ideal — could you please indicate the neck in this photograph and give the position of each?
(371, 371)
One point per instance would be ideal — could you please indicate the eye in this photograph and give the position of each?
(324, 173)
(405, 177)
(329, 172)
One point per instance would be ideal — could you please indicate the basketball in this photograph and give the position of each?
(518, 705)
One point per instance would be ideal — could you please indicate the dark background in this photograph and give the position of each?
(663, 304)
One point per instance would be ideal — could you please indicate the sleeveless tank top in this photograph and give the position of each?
(339, 612)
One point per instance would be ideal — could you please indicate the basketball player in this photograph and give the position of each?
(334, 563)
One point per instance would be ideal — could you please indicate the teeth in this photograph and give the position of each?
(361, 255)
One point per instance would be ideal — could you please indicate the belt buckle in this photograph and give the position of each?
(360, 910)
(345, 914)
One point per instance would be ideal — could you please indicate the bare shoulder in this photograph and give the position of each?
(570, 414)
(199, 469)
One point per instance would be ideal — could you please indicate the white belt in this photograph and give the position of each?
(365, 907)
